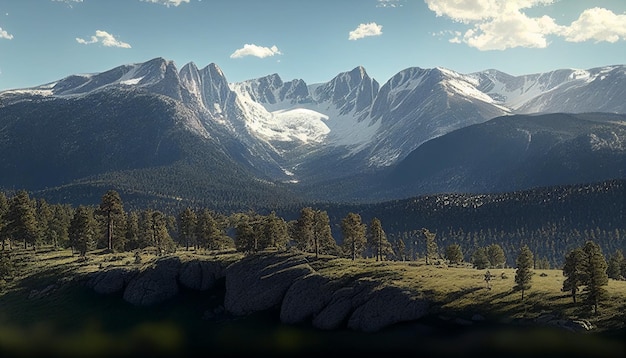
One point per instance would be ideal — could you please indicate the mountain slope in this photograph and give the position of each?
(329, 140)
(516, 152)
(136, 142)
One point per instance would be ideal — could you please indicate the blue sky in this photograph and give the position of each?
(43, 41)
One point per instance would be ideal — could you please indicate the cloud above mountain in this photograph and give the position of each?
(255, 51)
(105, 39)
(365, 30)
(499, 25)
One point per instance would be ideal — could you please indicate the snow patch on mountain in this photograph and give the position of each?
(297, 124)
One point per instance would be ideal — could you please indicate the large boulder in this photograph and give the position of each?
(200, 275)
(342, 303)
(306, 297)
(386, 306)
(112, 280)
(156, 284)
(259, 282)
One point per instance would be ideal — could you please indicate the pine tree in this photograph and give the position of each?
(432, 251)
(132, 231)
(145, 232)
(353, 231)
(595, 275)
(453, 253)
(21, 219)
(573, 270)
(614, 269)
(274, 232)
(188, 221)
(479, 258)
(210, 233)
(82, 230)
(323, 236)
(112, 209)
(161, 237)
(495, 255)
(304, 231)
(245, 237)
(523, 272)
(377, 240)
(44, 219)
(400, 247)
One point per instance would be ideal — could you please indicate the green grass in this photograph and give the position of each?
(72, 320)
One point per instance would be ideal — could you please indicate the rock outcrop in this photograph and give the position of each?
(282, 281)
(155, 284)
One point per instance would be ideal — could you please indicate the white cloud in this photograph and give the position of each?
(597, 24)
(256, 51)
(365, 30)
(502, 24)
(512, 30)
(167, 3)
(105, 38)
(68, 2)
(389, 3)
(476, 10)
(5, 35)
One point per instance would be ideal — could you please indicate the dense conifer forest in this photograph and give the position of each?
(550, 221)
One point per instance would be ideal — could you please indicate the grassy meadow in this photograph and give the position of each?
(44, 311)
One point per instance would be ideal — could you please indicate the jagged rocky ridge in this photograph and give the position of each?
(291, 130)
(154, 131)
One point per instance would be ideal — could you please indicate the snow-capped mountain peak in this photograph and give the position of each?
(289, 125)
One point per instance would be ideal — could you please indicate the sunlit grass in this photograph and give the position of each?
(72, 319)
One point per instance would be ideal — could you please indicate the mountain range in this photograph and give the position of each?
(160, 133)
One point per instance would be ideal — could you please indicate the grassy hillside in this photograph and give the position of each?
(43, 310)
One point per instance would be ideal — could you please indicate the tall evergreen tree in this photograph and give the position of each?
(595, 275)
(400, 249)
(495, 255)
(188, 222)
(454, 254)
(432, 251)
(274, 232)
(304, 235)
(211, 233)
(324, 241)
(377, 240)
(59, 225)
(480, 259)
(112, 209)
(523, 272)
(246, 240)
(353, 231)
(574, 271)
(614, 269)
(146, 229)
(161, 236)
(44, 220)
(132, 231)
(21, 219)
(82, 230)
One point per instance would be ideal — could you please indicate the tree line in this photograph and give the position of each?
(33, 222)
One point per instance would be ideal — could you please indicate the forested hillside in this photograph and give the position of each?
(549, 220)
